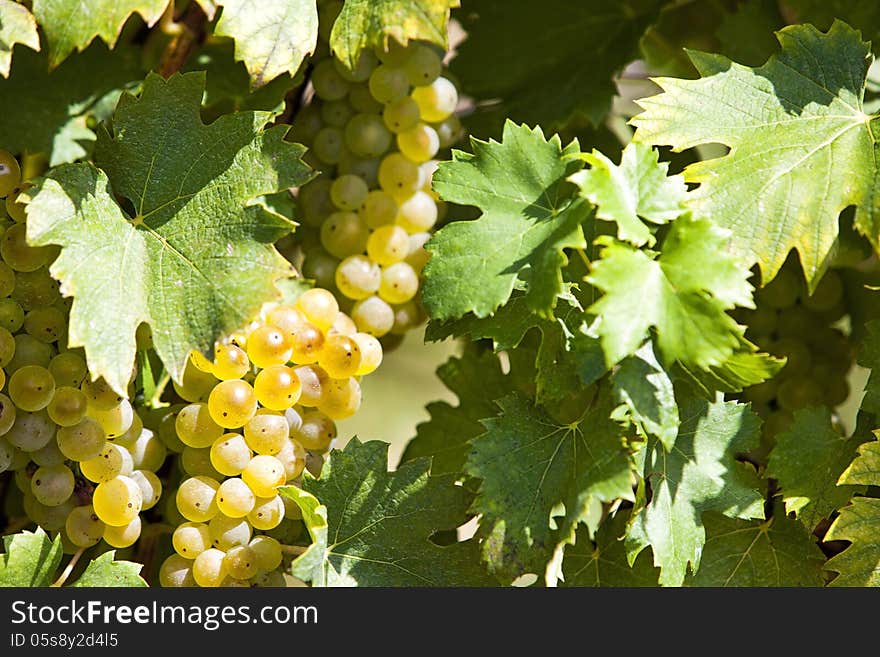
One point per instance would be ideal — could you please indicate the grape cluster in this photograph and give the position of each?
(808, 331)
(373, 133)
(83, 461)
(259, 413)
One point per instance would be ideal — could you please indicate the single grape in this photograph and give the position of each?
(118, 501)
(348, 192)
(329, 145)
(313, 380)
(176, 572)
(307, 344)
(197, 463)
(100, 395)
(7, 414)
(373, 315)
(11, 315)
(379, 209)
(358, 277)
(68, 369)
(336, 112)
(83, 527)
(419, 143)
(362, 100)
(148, 452)
(29, 351)
(342, 399)
(449, 131)
(241, 562)
(267, 551)
(797, 393)
(319, 307)
(18, 254)
(828, 293)
(117, 420)
(191, 539)
(407, 316)
(68, 406)
(367, 136)
(209, 568)
(340, 357)
(388, 84)
(277, 387)
(195, 426)
(371, 353)
(150, 485)
(343, 325)
(387, 245)
(328, 84)
(437, 100)
(232, 403)
(367, 61)
(197, 498)
(228, 532)
(417, 257)
(292, 456)
(123, 536)
(399, 177)
(263, 475)
(314, 201)
(401, 115)
(417, 213)
(344, 234)
(33, 430)
(317, 431)
(10, 173)
(783, 291)
(366, 168)
(268, 346)
(230, 362)
(114, 460)
(7, 279)
(234, 498)
(230, 454)
(423, 65)
(52, 484)
(399, 283)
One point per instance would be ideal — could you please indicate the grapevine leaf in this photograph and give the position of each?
(807, 461)
(789, 125)
(745, 367)
(637, 189)
(776, 552)
(683, 294)
(272, 37)
(859, 564)
(529, 218)
(192, 257)
(506, 327)
(530, 465)
(869, 356)
(604, 562)
(106, 571)
(368, 24)
(17, 25)
(312, 565)
(865, 467)
(379, 524)
(746, 34)
(548, 63)
(646, 389)
(29, 559)
(477, 381)
(699, 474)
(46, 112)
(69, 25)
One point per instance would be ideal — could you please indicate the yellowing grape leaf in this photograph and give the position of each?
(272, 37)
(72, 24)
(189, 252)
(17, 25)
(369, 23)
(371, 527)
(802, 149)
(858, 564)
(530, 217)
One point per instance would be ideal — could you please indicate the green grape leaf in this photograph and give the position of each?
(378, 524)
(529, 466)
(859, 564)
(106, 571)
(191, 255)
(529, 218)
(604, 562)
(369, 23)
(807, 461)
(17, 25)
(744, 368)
(272, 37)
(646, 389)
(801, 147)
(46, 112)
(29, 559)
(869, 356)
(683, 293)
(69, 25)
(477, 381)
(699, 474)
(746, 34)
(548, 63)
(776, 552)
(506, 327)
(865, 467)
(639, 188)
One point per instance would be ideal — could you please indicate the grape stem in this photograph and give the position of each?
(68, 568)
(294, 549)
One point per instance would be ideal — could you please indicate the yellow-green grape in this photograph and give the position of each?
(358, 277)
(31, 431)
(230, 362)
(209, 568)
(277, 387)
(7, 414)
(114, 460)
(362, 100)
(266, 433)
(267, 551)
(50, 518)
(341, 400)
(340, 357)
(388, 244)
(196, 384)
(379, 209)
(147, 451)
(48, 454)
(117, 420)
(197, 498)
(83, 527)
(176, 572)
(123, 536)
(307, 344)
(7, 280)
(232, 403)
(423, 65)
(11, 315)
(401, 115)
(437, 100)
(52, 484)
(37, 289)
(20, 460)
(344, 233)
(336, 112)
(316, 432)
(191, 539)
(150, 485)
(343, 325)
(329, 145)
(167, 432)
(366, 136)
(314, 201)
(31, 388)
(18, 254)
(29, 351)
(230, 453)
(234, 498)
(68, 369)
(419, 143)
(267, 513)
(399, 177)
(118, 501)
(241, 562)
(328, 84)
(228, 532)
(367, 61)
(406, 317)
(319, 307)
(100, 395)
(267, 346)
(366, 168)
(15, 208)
(287, 318)
(201, 361)
(417, 213)
(7, 347)
(314, 464)
(46, 324)
(68, 406)
(293, 457)
(197, 462)
(449, 131)
(417, 256)
(373, 315)
(371, 353)
(143, 337)
(196, 427)
(10, 173)
(388, 84)
(82, 441)
(313, 380)
(399, 283)
(263, 475)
